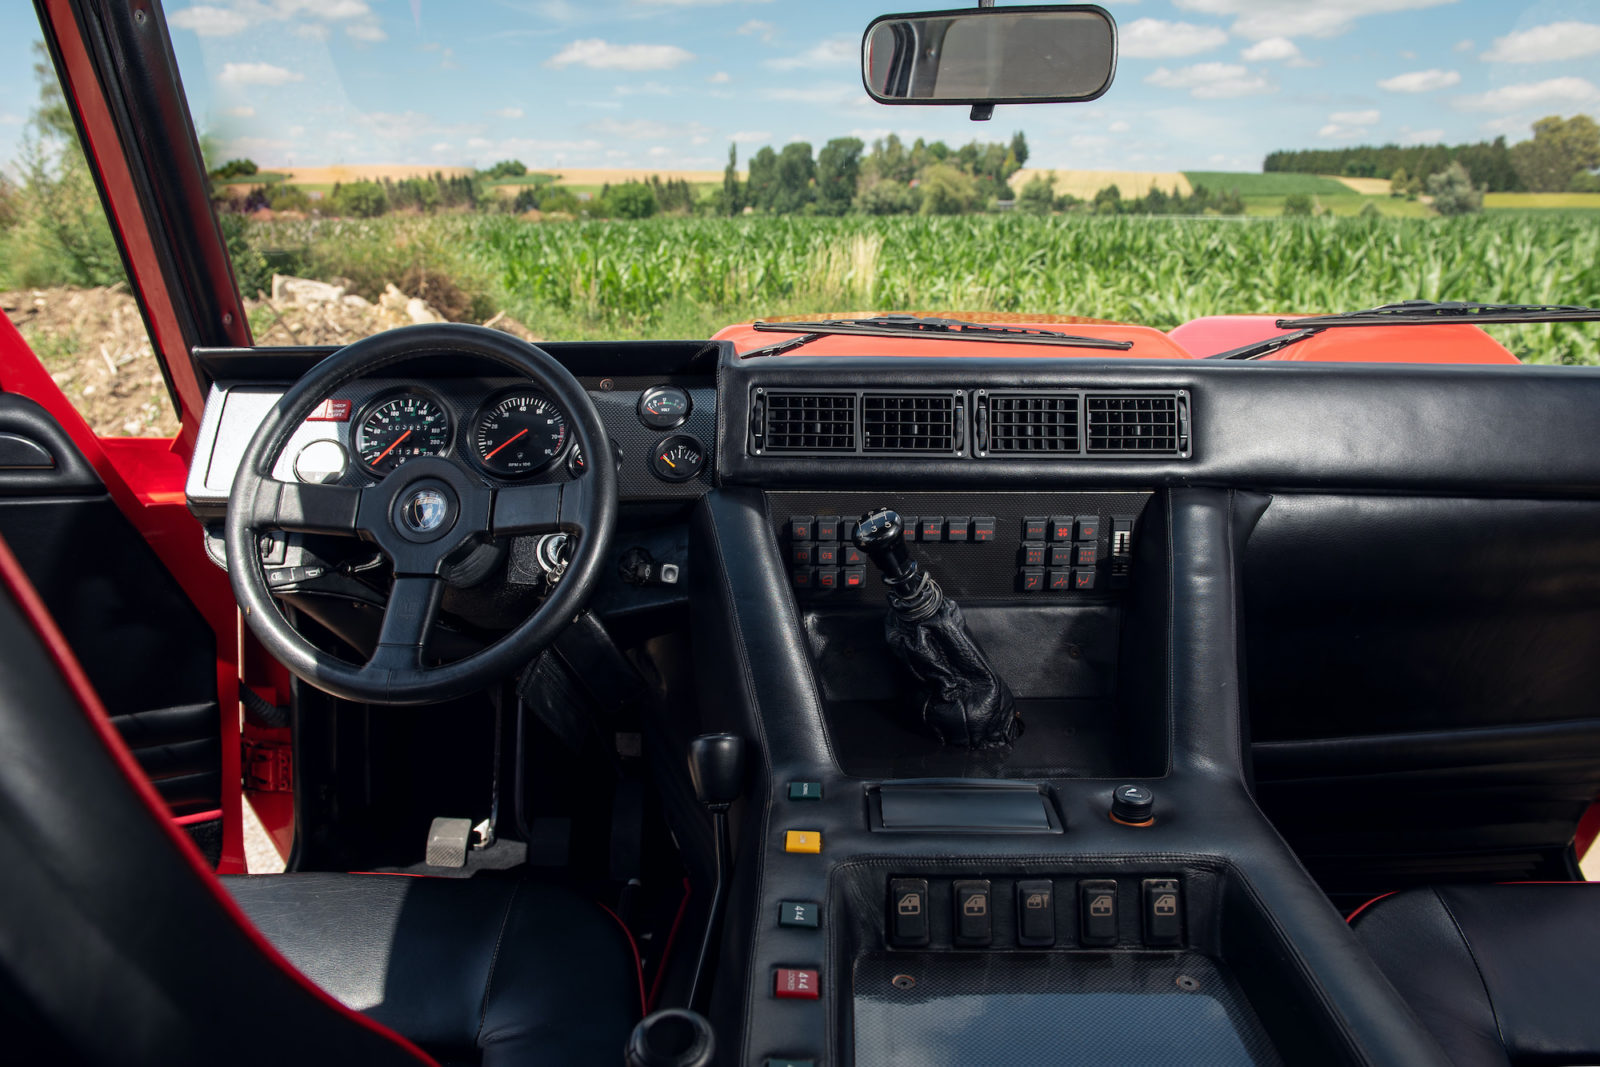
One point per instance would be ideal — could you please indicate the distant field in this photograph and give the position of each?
(355, 172)
(1366, 186)
(1250, 185)
(1083, 184)
(1542, 201)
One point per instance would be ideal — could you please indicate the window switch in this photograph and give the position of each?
(973, 926)
(908, 912)
(1036, 914)
(1163, 912)
(1097, 908)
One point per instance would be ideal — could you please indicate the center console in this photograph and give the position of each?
(895, 900)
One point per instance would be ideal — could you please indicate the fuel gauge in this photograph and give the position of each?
(678, 458)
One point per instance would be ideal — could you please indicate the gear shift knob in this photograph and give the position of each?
(882, 536)
(716, 768)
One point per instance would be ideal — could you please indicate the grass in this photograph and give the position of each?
(689, 277)
(1254, 185)
(1542, 201)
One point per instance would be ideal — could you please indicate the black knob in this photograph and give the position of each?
(882, 536)
(1133, 804)
(716, 767)
(675, 1037)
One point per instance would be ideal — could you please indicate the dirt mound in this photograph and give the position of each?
(93, 341)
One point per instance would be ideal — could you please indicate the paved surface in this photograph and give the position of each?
(260, 856)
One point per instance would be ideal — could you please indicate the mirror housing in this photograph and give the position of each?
(991, 55)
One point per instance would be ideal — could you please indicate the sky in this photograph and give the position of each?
(1201, 84)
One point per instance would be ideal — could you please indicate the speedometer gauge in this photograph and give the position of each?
(518, 434)
(401, 428)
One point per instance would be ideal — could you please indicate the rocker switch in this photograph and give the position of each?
(908, 912)
(1097, 908)
(973, 926)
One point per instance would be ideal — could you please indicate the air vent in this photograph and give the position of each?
(1146, 423)
(1033, 423)
(909, 422)
(809, 422)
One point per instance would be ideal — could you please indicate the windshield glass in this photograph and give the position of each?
(663, 168)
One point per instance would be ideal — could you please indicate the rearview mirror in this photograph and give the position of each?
(994, 55)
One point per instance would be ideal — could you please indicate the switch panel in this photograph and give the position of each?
(980, 546)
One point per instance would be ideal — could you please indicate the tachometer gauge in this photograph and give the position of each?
(678, 458)
(401, 428)
(518, 434)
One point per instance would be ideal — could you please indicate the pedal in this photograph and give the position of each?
(447, 842)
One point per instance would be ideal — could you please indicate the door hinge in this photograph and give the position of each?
(267, 766)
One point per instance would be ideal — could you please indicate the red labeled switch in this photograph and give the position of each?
(792, 983)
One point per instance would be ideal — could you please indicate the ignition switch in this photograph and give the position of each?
(639, 568)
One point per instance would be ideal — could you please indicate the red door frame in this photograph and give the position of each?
(145, 476)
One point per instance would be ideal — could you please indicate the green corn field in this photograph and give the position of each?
(689, 277)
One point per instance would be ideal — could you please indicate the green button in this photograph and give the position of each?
(797, 913)
(805, 790)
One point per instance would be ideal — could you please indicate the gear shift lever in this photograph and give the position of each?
(716, 769)
(963, 701)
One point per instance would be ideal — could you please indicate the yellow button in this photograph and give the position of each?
(803, 841)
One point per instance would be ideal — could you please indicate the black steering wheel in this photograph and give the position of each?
(418, 514)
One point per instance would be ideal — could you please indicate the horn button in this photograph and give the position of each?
(425, 511)
(422, 511)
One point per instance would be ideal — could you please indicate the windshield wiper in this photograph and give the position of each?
(934, 328)
(1414, 313)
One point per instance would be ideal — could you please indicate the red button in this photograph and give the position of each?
(332, 410)
(791, 983)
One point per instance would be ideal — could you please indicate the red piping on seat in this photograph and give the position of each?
(78, 683)
(638, 965)
(666, 950)
(1352, 916)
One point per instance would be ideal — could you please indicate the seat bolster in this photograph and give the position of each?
(1417, 946)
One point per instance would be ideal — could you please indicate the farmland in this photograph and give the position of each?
(688, 277)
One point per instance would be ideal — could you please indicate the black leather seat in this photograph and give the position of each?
(1502, 974)
(119, 946)
(483, 970)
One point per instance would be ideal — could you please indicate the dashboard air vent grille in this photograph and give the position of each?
(1033, 423)
(908, 423)
(810, 422)
(1133, 423)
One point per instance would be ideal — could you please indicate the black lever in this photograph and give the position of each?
(671, 1038)
(962, 700)
(716, 768)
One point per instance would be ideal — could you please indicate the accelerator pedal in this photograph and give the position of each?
(447, 842)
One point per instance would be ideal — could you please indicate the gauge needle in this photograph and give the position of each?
(391, 448)
(519, 434)
(669, 462)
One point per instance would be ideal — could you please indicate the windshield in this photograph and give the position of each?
(664, 168)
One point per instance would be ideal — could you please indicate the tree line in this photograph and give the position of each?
(1561, 156)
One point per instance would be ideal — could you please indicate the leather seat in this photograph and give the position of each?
(477, 970)
(1501, 974)
(119, 946)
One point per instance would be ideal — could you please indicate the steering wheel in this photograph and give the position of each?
(418, 515)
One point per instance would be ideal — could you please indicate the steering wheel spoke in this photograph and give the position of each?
(302, 508)
(407, 621)
(532, 509)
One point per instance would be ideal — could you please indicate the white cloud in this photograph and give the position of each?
(1159, 39)
(1543, 44)
(1271, 49)
(637, 129)
(441, 147)
(1338, 132)
(208, 21)
(241, 112)
(366, 31)
(835, 51)
(311, 31)
(257, 74)
(1368, 117)
(659, 150)
(1429, 136)
(10, 120)
(749, 136)
(597, 54)
(1463, 46)
(817, 94)
(1211, 81)
(1119, 127)
(647, 89)
(1421, 81)
(719, 78)
(508, 112)
(1260, 19)
(757, 28)
(1556, 92)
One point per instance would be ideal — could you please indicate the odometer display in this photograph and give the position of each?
(401, 428)
(520, 433)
